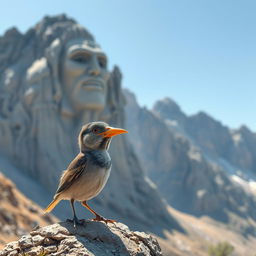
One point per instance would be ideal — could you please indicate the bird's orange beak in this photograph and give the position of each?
(111, 131)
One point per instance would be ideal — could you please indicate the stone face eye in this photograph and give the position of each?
(80, 58)
(102, 62)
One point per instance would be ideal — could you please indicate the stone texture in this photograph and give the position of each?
(25, 242)
(37, 239)
(91, 238)
(44, 100)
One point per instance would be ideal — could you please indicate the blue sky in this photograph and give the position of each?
(201, 53)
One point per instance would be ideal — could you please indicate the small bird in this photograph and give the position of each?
(88, 173)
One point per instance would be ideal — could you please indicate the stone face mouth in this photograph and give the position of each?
(92, 84)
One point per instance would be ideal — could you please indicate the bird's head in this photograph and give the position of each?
(97, 136)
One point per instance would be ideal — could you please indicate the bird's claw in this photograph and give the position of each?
(100, 218)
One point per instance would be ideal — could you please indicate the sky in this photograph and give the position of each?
(200, 53)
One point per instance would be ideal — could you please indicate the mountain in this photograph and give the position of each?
(237, 147)
(188, 159)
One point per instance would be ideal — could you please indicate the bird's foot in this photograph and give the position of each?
(76, 221)
(100, 218)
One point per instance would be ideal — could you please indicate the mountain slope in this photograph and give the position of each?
(18, 215)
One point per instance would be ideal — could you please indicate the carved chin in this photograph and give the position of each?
(91, 100)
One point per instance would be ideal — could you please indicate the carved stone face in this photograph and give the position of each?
(84, 75)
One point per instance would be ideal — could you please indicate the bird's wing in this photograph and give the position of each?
(73, 172)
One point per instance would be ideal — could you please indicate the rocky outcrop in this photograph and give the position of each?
(18, 215)
(91, 238)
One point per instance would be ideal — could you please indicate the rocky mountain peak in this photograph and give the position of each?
(50, 20)
(169, 109)
(245, 131)
(11, 32)
(167, 104)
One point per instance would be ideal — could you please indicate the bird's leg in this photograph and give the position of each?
(97, 216)
(75, 220)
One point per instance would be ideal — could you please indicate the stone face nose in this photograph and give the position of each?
(94, 68)
(94, 72)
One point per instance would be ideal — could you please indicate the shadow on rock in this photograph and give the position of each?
(98, 236)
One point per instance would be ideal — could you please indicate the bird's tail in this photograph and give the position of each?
(52, 204)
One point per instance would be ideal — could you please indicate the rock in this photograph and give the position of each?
(90, 238)
(50, 249)
(25, 242)
(34, 251)
(14, 253)
(37, 239)
(49, 241)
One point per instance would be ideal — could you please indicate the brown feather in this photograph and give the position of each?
(74, 171)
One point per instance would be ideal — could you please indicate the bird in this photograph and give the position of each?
(88, 172)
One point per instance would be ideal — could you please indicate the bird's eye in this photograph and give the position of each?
(95, 130)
